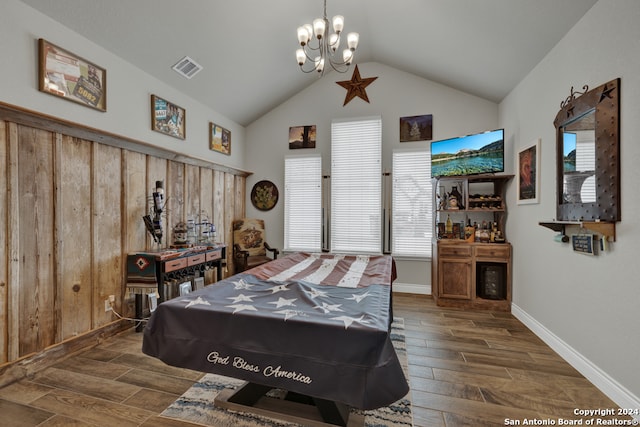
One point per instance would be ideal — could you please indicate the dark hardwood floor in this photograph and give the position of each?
(467, 368)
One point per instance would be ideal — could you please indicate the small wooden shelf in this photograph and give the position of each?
(602, 227)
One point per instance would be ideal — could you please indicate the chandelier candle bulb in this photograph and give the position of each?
(338, 23)
(352, 40)
(300, 56)
(309, 29)
(318, 28)
(303, 37)
(347, 55)
(334, 41)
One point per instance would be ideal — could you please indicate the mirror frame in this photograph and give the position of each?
(605, 100)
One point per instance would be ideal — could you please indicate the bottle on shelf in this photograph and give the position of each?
(458, 197)
(469, 232)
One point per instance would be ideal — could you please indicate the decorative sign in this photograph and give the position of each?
(584, 243)
(264, 195)
(219, 139)
(168, 118)
(67, 75)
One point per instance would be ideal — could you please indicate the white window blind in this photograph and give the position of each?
(356, 185)
(302, 203)
(412, 197)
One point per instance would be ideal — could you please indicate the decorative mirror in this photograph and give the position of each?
(588, 151)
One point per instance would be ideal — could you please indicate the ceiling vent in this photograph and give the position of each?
(187, 67)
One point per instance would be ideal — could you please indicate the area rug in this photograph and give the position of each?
(196, 404)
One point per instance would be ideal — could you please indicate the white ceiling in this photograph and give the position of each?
(247, 47)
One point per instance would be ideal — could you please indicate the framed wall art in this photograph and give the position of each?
(219, 139)
(168, 118)
(416, 128)
(264, 195)
(302, 137)
(64, 74)
(528, 176)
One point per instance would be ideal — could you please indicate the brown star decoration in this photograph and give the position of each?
(356, 86)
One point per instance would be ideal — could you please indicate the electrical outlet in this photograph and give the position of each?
(109, 302)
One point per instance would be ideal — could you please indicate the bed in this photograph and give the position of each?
(316, 325)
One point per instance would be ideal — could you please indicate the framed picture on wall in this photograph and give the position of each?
(416, 128)
(528, 176)
(302, 137)
(219, 139)
(64, 74)
(168, 118)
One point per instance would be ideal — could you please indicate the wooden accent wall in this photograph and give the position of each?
(71, 205)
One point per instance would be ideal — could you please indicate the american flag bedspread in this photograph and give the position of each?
(314, 324)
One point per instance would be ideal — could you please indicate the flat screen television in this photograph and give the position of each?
(468, 155)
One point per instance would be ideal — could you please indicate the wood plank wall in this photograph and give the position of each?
(70, 211)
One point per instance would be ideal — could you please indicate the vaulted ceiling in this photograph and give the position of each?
(247, 47)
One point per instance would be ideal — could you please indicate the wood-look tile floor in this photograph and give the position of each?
(467, 368)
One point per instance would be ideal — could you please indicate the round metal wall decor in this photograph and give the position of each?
(264, 195)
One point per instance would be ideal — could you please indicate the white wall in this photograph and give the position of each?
(586, 306)
(393, 95)
(129, 89)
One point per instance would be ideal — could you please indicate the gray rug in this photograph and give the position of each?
(196, 404)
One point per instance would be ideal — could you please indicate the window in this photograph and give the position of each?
(411, 204)
(356, 185)
(302, 203)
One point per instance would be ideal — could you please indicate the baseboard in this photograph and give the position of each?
(610, 387)
(411, 288)
(36, 362)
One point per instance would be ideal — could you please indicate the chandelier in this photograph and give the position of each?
(320, 48)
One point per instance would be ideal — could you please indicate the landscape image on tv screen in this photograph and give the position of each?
(468, 155)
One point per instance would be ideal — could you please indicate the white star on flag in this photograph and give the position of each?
(241, 307)
(197, 301)
(328, 308)
(348, 320)
(279, 288)
(283, 302)
(241, 298)
(288, 314)
(242, 284)
(314, 293)
(358, 298)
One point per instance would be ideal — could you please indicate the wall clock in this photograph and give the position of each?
(264, 195)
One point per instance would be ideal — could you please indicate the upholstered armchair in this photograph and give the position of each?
(249, 246)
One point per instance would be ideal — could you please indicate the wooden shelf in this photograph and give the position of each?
(474, 210)
(457, 265)
(601, 227)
